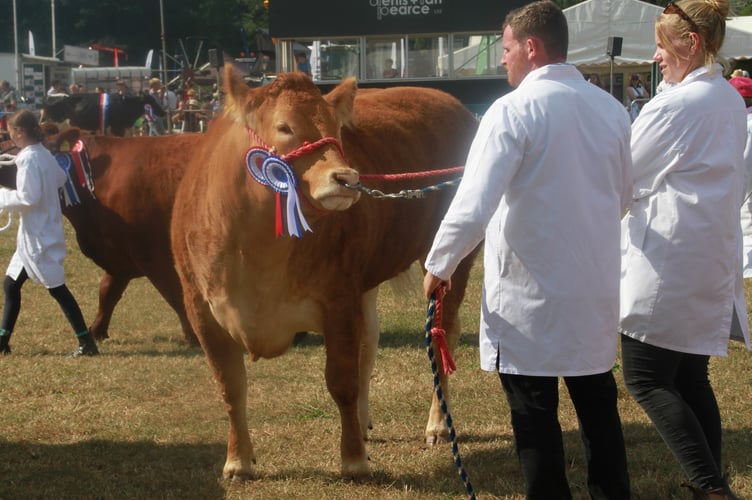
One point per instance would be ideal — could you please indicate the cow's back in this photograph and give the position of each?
(400, 130)
(125, 228)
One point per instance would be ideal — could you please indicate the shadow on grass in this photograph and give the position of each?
(104, 469)
(391, 339)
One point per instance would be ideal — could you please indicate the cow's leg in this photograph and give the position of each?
(111, 290)
(171, 291)
(226, 359)
(342, 339)
(436, 429)
(368, 351)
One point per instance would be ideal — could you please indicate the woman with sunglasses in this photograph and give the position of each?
(682, 292)
(638, 95)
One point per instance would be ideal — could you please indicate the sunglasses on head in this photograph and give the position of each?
(672, 8)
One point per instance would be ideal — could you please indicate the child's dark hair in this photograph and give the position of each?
(27, 121)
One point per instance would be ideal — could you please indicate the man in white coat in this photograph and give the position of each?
(546, 182)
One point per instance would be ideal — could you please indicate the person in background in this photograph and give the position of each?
(743, 85)
(8, 95)
(302, 65)
(637, 95)
(122, 89)
(595, 80)
(548, 201)
(682, 294)
(74, 88)
(189, 117)
(56, 89)
(156, 127)
(40, 244)
(389, 70)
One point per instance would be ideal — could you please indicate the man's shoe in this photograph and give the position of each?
(84, 350)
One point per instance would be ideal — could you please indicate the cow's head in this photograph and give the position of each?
(288, 116)
(60, 141)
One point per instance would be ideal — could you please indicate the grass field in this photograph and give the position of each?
(144, 419)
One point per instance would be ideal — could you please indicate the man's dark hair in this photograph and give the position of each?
(545, 20)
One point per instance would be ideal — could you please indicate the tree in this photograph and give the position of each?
(134, 25)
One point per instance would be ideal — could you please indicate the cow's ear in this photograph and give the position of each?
(61, 142)
(342, 99)
(236, 91)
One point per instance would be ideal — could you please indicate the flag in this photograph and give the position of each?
(32, 50)
(148, 58)
(481, 63)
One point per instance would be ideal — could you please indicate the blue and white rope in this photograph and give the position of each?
(440, 395)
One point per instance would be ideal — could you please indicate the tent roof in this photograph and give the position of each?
(738, 41)
(592, 22)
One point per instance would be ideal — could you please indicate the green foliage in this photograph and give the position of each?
(134, 25)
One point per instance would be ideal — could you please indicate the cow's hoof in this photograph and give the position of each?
(235, 472)
(359, 470)
(433, 439)
(99, 335)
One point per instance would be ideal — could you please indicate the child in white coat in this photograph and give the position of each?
(40, 245)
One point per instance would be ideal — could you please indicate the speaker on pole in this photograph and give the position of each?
(215, 58)
(613, 48)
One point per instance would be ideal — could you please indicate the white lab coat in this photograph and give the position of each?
(746, 212)
(546, 181)
(40, 244)
(682, 246)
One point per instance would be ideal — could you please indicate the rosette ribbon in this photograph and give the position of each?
(271, 170)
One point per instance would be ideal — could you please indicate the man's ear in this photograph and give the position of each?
(534, 47)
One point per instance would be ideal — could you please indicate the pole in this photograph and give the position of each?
(15, 47)
(164, 66)
(611, 78)
(54, 47)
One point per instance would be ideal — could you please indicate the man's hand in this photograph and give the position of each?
(431, 283)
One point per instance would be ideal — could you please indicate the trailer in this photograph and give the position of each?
(135, 77)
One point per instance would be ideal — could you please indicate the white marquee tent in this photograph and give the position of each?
(591, 23)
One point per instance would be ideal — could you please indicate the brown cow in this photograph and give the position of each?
(246, 289)
(124, 227)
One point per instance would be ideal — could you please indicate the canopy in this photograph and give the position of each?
(592, 22)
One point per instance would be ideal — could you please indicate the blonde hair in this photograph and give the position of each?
(709, 17)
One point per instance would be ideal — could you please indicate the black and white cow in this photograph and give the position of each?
(100, 111)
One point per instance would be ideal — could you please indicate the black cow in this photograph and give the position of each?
(85, 111)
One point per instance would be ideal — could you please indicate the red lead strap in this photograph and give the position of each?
(438, 334)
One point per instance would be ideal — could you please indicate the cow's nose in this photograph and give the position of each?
(348, 176)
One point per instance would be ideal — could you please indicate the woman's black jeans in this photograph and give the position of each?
(674, 390)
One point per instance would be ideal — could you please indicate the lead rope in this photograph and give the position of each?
(436, 333)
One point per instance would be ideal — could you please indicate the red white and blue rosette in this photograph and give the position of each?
(271, 170)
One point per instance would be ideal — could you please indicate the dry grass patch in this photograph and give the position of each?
(144, 420)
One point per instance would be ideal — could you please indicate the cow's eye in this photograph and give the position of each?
(284, 129)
